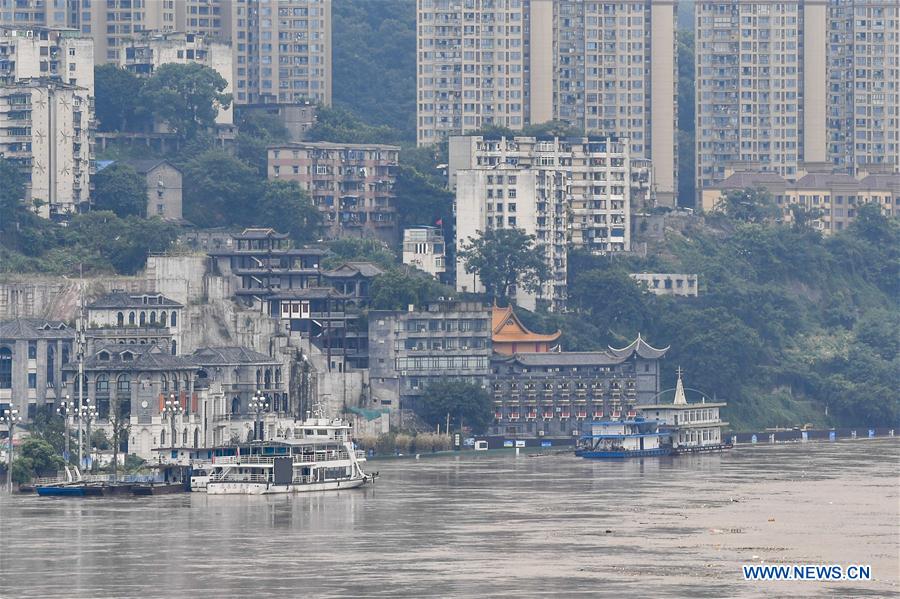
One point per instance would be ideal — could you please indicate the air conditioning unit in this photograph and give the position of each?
(540, 433)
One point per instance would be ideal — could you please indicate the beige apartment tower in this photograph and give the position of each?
(782, 84)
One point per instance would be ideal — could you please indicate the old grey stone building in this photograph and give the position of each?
(32, 355)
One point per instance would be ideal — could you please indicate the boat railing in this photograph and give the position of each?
(48, 480)
(318, 456)
(238, 477)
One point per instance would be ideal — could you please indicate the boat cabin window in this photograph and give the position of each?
(321, 431)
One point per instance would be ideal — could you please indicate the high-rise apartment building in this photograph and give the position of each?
(34, 13)
(782, 84)
(472, 66)
(30, 52)
(863, 84)
(606, 68)
(614, 73)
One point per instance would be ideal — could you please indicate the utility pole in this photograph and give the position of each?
(10, 417)
(79, 340)
(65, 410)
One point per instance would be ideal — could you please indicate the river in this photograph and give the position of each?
(482, 525)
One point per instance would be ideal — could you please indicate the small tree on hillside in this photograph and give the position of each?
(749, 205)
(120, 189)
(186, 96)
(503, 258)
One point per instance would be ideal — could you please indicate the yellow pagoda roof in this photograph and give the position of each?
(507, 328)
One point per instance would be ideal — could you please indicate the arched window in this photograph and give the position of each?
(268, 379)
(258, 377)
(196, 437)
(174, 318)
(236, 405)
(163, 318)
(51, 364)
(153, 318)
(184, 437)
(131, 318)
(123, 384)
(5, 368)
(175, 383)
(277, 376)
(162, 437)
(174, 347)
(235, 376)
(120, 319)
(143, 319)
(102, 384)
(164, 382)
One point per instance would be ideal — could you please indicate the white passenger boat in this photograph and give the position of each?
(318, 456)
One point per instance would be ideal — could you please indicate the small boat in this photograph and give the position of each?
(616, 439)
(159, 488)
(318, 456)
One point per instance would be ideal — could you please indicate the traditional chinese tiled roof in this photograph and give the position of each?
(352, 269)
(551, 359)
(309, 293)
(507, 328)
(35, 328)
(641, 348)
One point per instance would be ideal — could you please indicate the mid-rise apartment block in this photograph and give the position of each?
(53, 53)
(563, 191)
(351, 184)
(608, 69)
(147, 51)
(780, 84)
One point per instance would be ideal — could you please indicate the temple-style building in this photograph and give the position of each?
(509, 336)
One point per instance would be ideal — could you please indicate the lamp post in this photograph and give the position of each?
(87, 413)
(10, 417)
(171, 410)
(65, 410)
(258, 404)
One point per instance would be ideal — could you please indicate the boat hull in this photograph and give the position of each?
(618, 455)
(702, 448)
(248, 488)
(161, 489)
(61, 491)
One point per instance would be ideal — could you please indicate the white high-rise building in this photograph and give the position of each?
(564, 191)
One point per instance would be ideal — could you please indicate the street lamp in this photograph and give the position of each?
(171, 410)
(65, 410)
(258, 404)
(86, 413)
(10, 417)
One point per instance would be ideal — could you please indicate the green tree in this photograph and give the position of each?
(120, 189)
(117, 99)
(352, 249)
(124, 243)
(186, 96)
(49, 426)
(613, 300)
(749, 205)
(219, 190)
(503, 258)
(36, 458)
(286, 207)
(256, 132)
(375, 63)
(420, 201)
(341, 126)
(466, 403)
(802, 218)
(398, 288)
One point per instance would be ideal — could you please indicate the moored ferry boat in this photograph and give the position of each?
(624, 439)
(318, 456)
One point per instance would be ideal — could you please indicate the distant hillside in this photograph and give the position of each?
(790, 327)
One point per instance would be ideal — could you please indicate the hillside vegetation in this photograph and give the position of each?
(790, 327)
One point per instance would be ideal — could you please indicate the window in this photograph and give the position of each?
(120, 319)
(5, 368)
(102, 384)
(32, 380)
(32, 350)
(174, 318)
(51, 365)
(131, 318)
(123, 384)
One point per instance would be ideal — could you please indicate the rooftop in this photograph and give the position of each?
(134, 357)
(507, 328)
(123, 299)
(352, 269)
(229, 356)
(35, 328)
